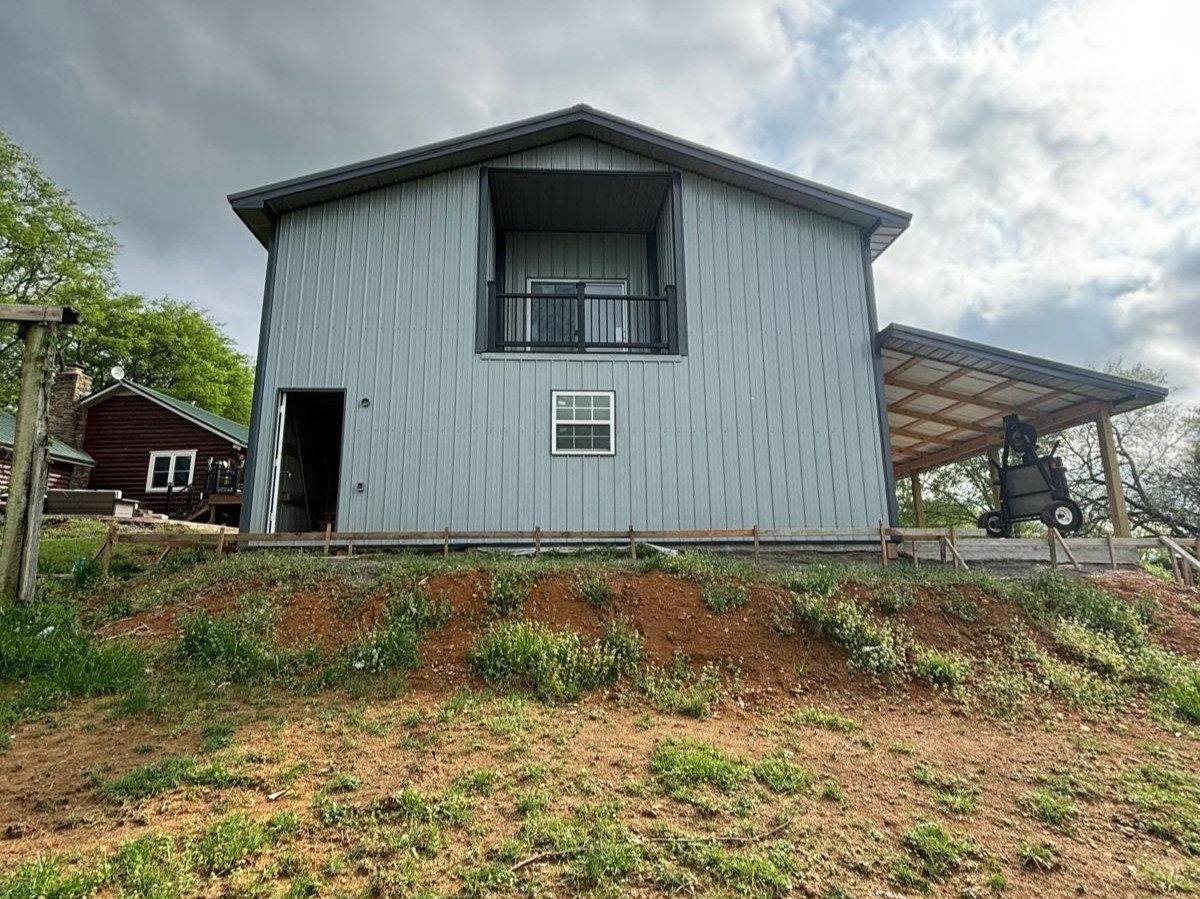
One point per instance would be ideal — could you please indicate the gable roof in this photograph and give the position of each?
(259, 207)
(222, 427)
(59, 451)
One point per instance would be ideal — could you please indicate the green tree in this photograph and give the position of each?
(166, 344)
(50, 251)
(53, 253)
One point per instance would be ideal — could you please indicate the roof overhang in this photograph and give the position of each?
(260, 206)
(947, 397)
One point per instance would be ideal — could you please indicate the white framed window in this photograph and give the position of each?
(170, 467)
(583, 423)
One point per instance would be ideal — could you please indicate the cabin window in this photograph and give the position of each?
(583, 423)
(172, 468)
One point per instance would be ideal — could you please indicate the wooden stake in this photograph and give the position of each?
(537, 542)
(916, 558)
(328, 535)
(1112, 552)
(954, 549)
(221, 543)
(1066, 549)
(756, 544)
(30, 464)
(106, 551)
(446, 543)
(883, 557)
(1053, 547)
(632, 544)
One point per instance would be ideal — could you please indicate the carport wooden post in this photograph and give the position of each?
(1112, 473)
(31, 447)
(993, 456)
(918, 500)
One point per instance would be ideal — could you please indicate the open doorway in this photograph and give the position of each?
(308, 461)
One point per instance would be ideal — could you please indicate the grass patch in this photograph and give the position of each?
(595, 590)
(679, 690)
(1049, 807)
(393, 645)
(166, 774)
(556, 666)
(680, 764)
(813, 717)
(941, 668)
(47, 656)
(1167, 801)
(510, 588)
(1182, 698)
(779, 774)
(878, 648)
(1037, 856)
(892, 598)
(936, 851)
(724, 597)
(951, 792)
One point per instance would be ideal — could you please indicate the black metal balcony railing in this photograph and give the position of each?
(220, 480)
(580, 322)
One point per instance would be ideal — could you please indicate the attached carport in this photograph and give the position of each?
(947, 398)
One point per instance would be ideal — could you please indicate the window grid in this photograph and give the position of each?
(583, 423)
(170, 467)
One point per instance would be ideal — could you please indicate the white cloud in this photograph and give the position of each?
(1052, 161)
(1049, 156)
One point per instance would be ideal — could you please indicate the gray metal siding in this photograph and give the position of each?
(664, 235)
(536, 254)
(770, 419)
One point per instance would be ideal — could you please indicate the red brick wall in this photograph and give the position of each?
(124, 429)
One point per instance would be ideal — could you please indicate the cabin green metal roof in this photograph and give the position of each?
(59, 451)
(224, 427)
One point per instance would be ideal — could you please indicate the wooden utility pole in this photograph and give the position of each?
(31, 446)
(1112, 473)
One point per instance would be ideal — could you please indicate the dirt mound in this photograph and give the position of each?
(325, 619)
(671, 616)
(1178, 617)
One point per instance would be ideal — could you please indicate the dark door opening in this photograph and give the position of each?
(308, 461)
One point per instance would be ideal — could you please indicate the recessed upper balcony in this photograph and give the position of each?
(580, 262)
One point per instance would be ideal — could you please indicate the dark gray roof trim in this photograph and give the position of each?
(258, 207)
(1123, 393)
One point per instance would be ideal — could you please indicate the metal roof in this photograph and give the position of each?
(258, 207)
(947, 397)
(222, 427)
(59, 451)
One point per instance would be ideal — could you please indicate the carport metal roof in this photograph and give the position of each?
(947, 397)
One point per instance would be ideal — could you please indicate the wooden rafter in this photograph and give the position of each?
(937, 418)
(955, 396)
(939, 439)
(1046, 422)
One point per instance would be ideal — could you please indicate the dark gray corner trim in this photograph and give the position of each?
(583, 120)
(919, 342)
(256, 401)
(680, 260)
(885, 431)
(481, 272)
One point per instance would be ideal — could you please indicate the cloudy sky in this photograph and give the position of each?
(1048, 151)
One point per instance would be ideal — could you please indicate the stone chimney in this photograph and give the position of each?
(68, 419)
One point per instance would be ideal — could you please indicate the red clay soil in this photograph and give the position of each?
(670, 615)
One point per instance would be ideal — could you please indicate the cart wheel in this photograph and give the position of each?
(1064, 515)
(993, 523)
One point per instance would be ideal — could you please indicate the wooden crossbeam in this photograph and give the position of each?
(29, 313)
(924, 438)
(955, 396)
(1045, 423)
(938, 418)
(906, 365)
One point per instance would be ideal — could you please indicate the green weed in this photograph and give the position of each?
(724, 597)
(680, 690)
(941, 668)
(681, 763)
(814, 717)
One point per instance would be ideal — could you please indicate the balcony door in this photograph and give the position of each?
(551, 310)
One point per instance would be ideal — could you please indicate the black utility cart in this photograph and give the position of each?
(1032, 487)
